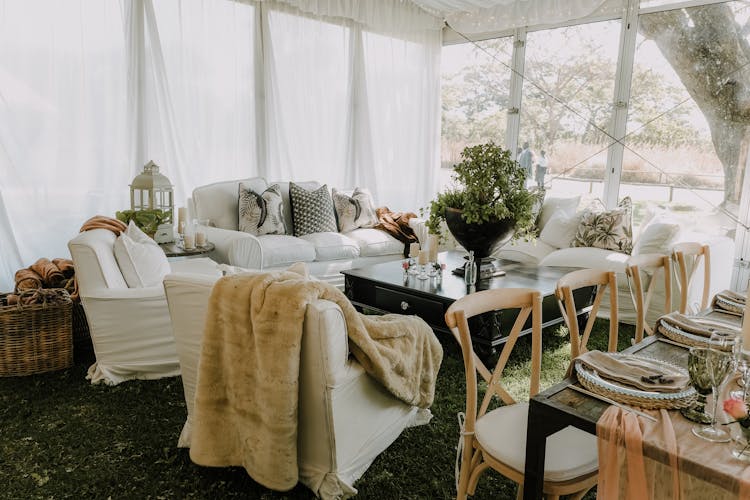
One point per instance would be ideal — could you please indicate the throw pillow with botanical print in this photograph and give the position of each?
(607, 229)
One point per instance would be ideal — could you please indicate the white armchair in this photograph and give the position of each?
(130, 327)
(346, 418)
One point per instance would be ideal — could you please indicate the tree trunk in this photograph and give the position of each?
(706, 48)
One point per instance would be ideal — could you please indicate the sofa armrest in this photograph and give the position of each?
(235, 248)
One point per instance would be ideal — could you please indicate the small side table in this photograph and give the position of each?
(173, 250)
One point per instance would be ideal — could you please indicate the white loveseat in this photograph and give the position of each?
(346, 418)
(658, 234)
(326, 254)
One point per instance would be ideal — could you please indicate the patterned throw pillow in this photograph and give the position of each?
(312, 211)
(261, 213)
(609, 229)
(354, 211)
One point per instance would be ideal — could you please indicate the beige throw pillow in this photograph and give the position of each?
(355, 211)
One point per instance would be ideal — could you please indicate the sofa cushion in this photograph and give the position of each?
(283, 250)
(607, 229)
(657, 236)
(357, 210)
(525, 252)
(312, 211)
(287, 202)
(332, 246)
(142, 262)
(261, 213)
(374, 242)
(586, 257)
(552, 206)
(560, 229)
(218, 202)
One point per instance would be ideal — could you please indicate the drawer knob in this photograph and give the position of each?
(404, 305)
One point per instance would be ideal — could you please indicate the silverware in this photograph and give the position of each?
(612, 402)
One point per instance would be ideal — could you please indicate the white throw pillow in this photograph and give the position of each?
(560, 229)
(553, 206)
(142, 262)
(657, 236)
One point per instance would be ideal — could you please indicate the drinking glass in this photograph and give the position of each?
(718, 364)
(729, 342)
(701, 383)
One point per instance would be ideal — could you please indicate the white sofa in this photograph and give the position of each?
(130, 327)
(665, 231)
(326, 254)
(346, 418)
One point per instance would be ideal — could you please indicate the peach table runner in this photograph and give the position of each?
(664, 460)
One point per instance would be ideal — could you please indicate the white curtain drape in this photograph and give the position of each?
(338, 91)
(63, 125)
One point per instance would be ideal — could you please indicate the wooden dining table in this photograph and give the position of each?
(560, 406)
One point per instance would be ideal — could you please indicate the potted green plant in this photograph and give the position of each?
(488, 203)
(148, 220)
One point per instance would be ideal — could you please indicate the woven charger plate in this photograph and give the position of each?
(621, 393)
(685, 338)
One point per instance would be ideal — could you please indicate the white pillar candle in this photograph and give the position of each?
(200, 238)
(189, 240)
(181, 216)
(423, 256)
(413, 249)
(746, 323)
(432, 241)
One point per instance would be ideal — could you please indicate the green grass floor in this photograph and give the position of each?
(61, 437)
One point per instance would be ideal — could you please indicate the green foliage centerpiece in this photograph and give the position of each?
(488, 203)
(148, 220)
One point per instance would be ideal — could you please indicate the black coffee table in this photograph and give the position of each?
(382, 288)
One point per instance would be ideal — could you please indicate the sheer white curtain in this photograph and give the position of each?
(63, 137)
(339, 91)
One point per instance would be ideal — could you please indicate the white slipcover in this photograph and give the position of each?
(130, 327)
(346, 418)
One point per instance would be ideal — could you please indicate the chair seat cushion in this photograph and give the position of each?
(282, 250)
(374, 242)
(571, 452)
(142, 262)
(332, 246)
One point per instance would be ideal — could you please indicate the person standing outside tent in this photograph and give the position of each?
(526, 159)
(541, 169)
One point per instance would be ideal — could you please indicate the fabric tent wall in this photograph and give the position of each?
(338, 91)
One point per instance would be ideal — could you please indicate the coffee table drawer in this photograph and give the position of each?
(403, 303)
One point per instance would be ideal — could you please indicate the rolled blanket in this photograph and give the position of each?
(27, 279)
(729, 302)
(697, 325)
(103, 222)
(50, 273)
(397, 225)
(65, 266)
(634, 371)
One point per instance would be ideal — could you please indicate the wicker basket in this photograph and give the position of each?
(80, 325)
(37, 337)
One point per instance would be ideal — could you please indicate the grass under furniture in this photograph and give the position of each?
(61, 437)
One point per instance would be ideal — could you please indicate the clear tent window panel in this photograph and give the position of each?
(566, 110)
(686, 142)
(475, 88)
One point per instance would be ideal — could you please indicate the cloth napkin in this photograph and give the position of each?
(730, 302)
(641, 373)
(697, 325)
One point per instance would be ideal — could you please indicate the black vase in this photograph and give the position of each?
(479, 237)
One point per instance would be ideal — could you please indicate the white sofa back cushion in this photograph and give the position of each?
(142, 263)
(552, 206)
(560, 229)
(219, 202)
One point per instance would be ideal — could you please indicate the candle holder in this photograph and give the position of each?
(422, 272)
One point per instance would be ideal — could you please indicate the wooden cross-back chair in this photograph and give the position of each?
(688, 257)
(497, 438)
(603, 281)
(643, 272)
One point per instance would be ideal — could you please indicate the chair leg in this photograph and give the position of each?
(519, 492)
(465, 471)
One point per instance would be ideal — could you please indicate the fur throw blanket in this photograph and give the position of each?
(247, 391)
